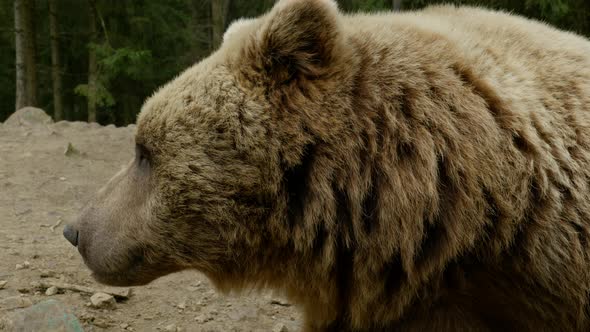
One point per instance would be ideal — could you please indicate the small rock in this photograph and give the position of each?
(201, 319)
(124, 326)
(51, 291)
(50, 316)
(280, 302)
(102, 300)
(28, 116)
(170, 328)
(21, 211)
(280, 328)
(47, 274)
(14, 302)
(87, 317)
(23, 290)
(3, 283)
(71, 150)
(101, 323)
(23, 266)
(62, 178)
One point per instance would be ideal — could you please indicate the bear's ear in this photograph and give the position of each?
(298, 38)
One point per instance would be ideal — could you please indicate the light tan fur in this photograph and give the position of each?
(421, 171)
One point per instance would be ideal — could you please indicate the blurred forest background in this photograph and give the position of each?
(97, 60)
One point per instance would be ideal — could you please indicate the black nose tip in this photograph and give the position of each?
(71, 235)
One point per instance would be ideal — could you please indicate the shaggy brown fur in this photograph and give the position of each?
(424, 171)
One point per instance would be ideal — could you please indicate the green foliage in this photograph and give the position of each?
(114, 64)
(553, 9)
(123, 61)
(102, 95)
(368, 5)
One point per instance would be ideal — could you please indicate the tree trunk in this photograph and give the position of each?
(21, 99)
(218, 17)
(92, 65)
(55, 66)
(397, 4)
(30, 52)
(26, 69)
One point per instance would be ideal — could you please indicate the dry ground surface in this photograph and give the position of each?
(41, 186)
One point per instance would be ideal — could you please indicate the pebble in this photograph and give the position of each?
(124, 325)
(23, 290)
(3, 283)
(203, 319)
(280, 328)
(47, 274)
(51, 291)
(14, 302)
(101, 323)
(171, 328)
(23, 266)
(102, 300)
(280, 302)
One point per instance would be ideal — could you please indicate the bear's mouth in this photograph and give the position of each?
(120, 280)
(125, 270)
(130, 275)
(132, 269)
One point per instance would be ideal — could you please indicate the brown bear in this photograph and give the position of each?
(420, 171)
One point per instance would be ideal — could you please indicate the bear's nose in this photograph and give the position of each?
(71, 234)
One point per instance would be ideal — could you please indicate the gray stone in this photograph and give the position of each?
(51, 291)
(280, 302)
(280, 327)
(28, 116)
(47, 316)
(170, 328)
(15, 302)
(70, 150)
(102, 300)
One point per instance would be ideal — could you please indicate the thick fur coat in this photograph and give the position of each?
(421, 171)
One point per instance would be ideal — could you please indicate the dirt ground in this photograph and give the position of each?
(40, 186)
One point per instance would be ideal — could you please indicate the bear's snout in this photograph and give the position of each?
(71, 234)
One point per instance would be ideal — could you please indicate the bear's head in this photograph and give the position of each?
(219, 154)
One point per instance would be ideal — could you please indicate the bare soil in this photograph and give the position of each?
(40, 186)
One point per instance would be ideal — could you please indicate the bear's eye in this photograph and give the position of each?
(142, 154)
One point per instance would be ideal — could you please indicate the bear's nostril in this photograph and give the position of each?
(71, 235)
